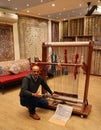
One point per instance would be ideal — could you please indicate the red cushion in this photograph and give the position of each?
(13, 77)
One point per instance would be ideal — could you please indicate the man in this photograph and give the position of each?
(29, 95)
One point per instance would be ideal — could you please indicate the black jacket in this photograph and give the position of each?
(29, 86)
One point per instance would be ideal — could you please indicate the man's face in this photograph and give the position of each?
(35, 71)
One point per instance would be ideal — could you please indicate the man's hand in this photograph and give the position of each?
(37, 95)
(54, 95)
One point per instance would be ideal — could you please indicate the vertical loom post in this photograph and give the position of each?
(88, 73)
(43, 67)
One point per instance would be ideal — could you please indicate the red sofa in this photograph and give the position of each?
(13, 71)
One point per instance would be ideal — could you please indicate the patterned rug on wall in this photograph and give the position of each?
(32, 33)
(6, 43)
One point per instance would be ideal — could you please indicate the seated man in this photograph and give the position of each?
(29, 96)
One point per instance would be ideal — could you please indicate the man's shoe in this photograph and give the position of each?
(35, 116)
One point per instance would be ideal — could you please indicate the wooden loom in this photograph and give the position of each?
(80, 106)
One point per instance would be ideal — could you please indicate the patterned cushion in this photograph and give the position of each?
(14, 69)
(1, 69)
(23, 64)
(5, 67)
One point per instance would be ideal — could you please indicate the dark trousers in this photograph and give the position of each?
(33, 102)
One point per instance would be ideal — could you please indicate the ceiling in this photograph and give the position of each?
(63, 9)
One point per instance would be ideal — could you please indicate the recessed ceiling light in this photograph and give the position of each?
(53, 5)
(99, 1)
(41, 1)
(27, 5)
(28, 11)
(9, 0)
(16, 8)
(64, 8)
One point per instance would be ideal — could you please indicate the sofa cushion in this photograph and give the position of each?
(5, 66)
(23, 64)
(1, 70)
(14, 69)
